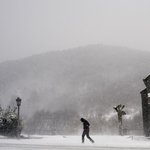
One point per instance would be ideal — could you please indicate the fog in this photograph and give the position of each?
(31, 27)
(62, 83)
(59, 87)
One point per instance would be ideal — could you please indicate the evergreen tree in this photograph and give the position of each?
(9, 122)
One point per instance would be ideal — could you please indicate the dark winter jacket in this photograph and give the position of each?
(85, 124)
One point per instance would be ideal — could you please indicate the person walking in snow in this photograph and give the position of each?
(86, 130)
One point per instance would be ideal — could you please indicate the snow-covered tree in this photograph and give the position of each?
(9, 122)
(119, 110)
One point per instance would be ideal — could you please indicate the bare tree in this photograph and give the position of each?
(119, 110)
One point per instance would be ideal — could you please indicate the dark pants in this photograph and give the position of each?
(86, 132)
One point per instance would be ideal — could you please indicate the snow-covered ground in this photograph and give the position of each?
(74, 142)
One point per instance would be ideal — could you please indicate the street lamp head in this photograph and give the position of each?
(18, 101)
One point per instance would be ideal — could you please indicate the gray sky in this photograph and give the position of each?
(30, 27)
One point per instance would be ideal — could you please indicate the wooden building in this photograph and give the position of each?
(145, 95)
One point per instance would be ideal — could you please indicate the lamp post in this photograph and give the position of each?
(18, 101)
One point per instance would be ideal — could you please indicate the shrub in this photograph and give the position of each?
(9, 122)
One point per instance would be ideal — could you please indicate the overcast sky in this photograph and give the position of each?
(30, 27)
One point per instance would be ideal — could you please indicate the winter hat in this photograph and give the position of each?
(82, 119)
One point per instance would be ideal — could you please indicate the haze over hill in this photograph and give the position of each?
(62, 86)
(88, 79)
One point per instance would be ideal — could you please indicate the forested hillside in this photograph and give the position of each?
(87, 80)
